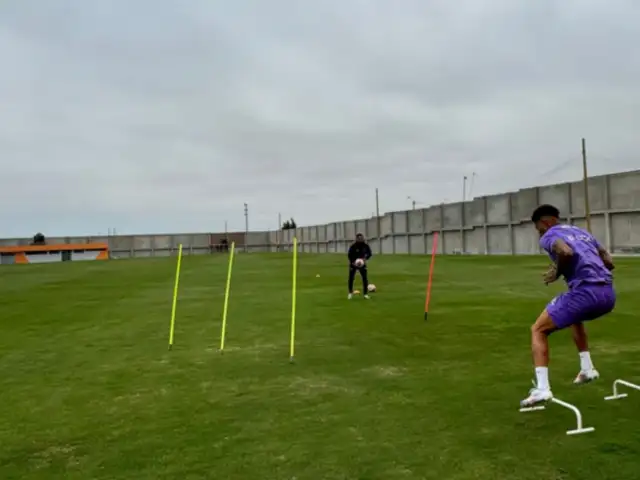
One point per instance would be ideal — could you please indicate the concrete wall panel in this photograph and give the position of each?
(402, 244)
(77, 240)
(452, 242)
(474, 213)
(201, 240)
(474, 241)
(598, 226)
(499, 242)
(624, 190)
(434, 218)
(625, 231)
(400, 222)
(597, 196)
(322, 233)
(416, 224)
(161, 241)
(417, 244)
(121, 242)
(332, 229)
(145, 242)
(375, 246)
(387, 245)
(498, 209)
(523, 203)
(556, 195)
(257, 238)
(453, 215)
(350, 230)
(386, 227)
(525, 239)
(372, 228)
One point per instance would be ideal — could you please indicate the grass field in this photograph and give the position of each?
(88, 389)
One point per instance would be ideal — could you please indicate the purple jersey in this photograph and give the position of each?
(586, 266)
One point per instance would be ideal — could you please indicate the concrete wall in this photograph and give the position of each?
(495, 224)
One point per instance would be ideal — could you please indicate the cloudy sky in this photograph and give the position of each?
(163, 115)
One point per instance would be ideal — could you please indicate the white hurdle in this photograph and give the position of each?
(617, 395)
(579, 427)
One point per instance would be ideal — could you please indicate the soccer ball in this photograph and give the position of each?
(371, 288)
(359, 262)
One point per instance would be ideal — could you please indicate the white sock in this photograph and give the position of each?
(542, 378)
(585, 362)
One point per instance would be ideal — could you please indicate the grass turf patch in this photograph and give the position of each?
(89, 390)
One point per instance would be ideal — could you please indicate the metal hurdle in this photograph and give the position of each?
(580, 428)
(617, 395)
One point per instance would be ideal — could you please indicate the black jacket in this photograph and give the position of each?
(359, 250)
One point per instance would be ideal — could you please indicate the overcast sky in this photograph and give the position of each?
(162, 115)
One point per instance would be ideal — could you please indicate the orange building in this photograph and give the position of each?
(53, 253)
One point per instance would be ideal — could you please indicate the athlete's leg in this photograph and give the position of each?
(365, 280)
(593, 302)
(540, 331)
(587, 372)
(352, 277)
(580, 337)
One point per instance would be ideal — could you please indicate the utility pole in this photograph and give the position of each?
(246, 227)
(464, 189)
(378, 221)
(585, 179)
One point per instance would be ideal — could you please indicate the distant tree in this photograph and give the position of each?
(289, 225)
(38, 239)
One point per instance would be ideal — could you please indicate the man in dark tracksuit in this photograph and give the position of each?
(359, 250)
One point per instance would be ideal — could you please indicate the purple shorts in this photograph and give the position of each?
(584, 303)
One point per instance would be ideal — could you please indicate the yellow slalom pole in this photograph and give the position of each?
(175, 298)
(226, 297)
(293, 299)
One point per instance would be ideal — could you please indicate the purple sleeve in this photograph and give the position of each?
(547, 241)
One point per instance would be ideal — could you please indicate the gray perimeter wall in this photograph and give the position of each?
(496, 224)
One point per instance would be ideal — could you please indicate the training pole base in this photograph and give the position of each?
(579, 428)
(617, 395)
(426, 314)
(170, 347)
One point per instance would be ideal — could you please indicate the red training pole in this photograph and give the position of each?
(434, 248)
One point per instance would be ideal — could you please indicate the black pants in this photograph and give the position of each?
(363, 274)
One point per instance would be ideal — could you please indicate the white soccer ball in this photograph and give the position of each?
(359, 262)
(371, 288)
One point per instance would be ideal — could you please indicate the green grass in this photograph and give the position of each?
(88, 389)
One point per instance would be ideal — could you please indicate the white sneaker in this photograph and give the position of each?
(350, 296)
(536, 396)
(367, 297)
(586, 376)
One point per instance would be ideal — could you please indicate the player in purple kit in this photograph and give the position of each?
(586, 267)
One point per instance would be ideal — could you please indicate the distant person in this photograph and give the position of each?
(359, 253)
(224, 245)
(586, 267)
